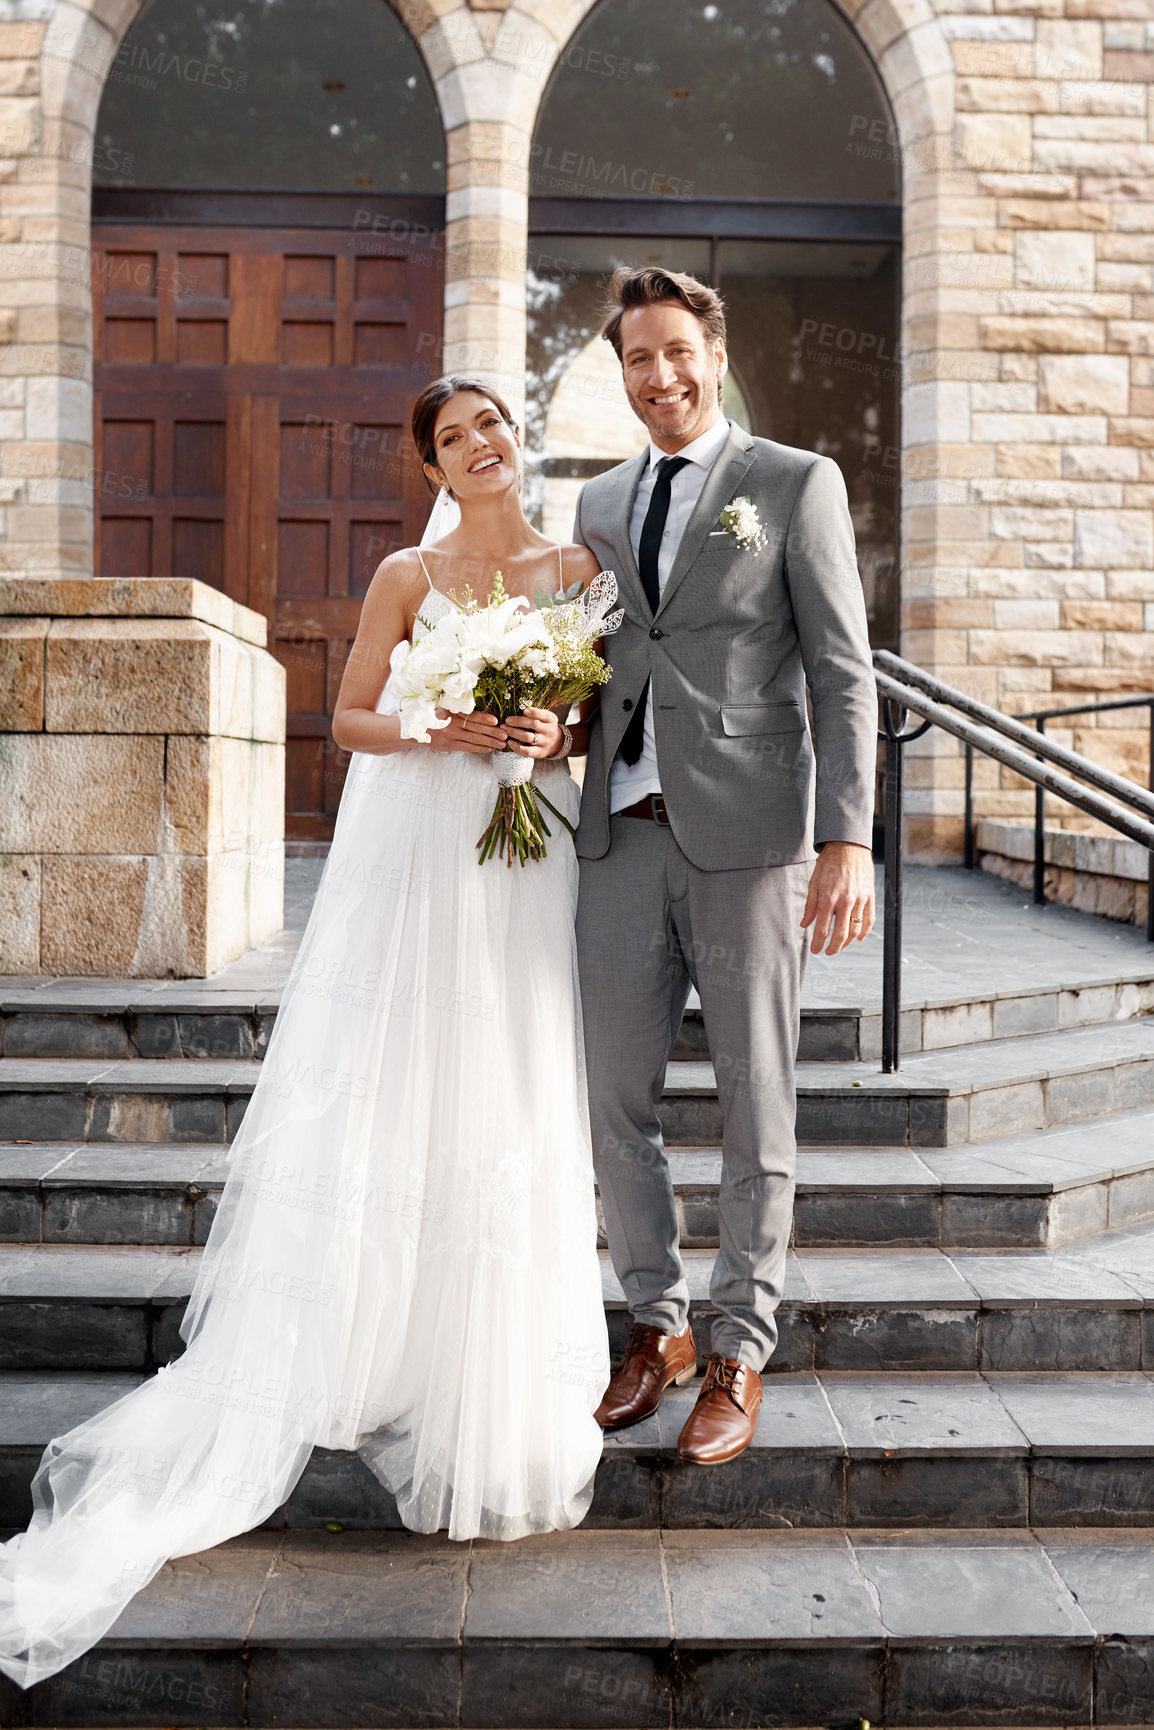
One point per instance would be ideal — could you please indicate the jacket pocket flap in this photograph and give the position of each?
(741, 718)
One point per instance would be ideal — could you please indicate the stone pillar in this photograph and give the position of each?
(142, 727)
(490, 62)
(52, 70)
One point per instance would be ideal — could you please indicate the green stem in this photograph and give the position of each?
(517, 825)
(550, 805)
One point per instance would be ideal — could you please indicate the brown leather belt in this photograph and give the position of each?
(652, 806)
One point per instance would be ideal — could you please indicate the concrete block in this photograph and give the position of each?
(80, 793)
(19, 913)
(142, 917)
(130, 676)
(1055, 261)
(993, 141)
(1104, 539)
(1084, 383)
(1007, 1110)
(22, 674)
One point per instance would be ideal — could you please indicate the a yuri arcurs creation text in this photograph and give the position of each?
(504, 657)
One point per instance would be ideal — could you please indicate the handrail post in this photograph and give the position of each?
(892, 933)
(1040, 835)
(968, 854)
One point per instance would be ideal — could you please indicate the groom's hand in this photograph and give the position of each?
(840, 903)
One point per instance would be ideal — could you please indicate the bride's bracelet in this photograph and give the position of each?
(567, 733)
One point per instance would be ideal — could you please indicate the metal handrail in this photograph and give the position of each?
(1104, 779)
(996, 739)
(1012, 727)
(1041, 716)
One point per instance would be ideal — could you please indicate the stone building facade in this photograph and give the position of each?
(1020, 459)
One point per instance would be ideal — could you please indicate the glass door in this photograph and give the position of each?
(813, 362)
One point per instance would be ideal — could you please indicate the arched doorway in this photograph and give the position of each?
(751, 143)
(268, 221)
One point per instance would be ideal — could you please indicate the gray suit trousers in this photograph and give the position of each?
(649, 922)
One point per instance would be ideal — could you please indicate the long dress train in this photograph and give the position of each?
(403, 1261)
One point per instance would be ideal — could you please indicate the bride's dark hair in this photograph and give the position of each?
(423, 421)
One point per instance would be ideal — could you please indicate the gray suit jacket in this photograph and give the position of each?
(736, 639)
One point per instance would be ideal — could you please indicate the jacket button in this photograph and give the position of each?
(628, 703)
(655, 633)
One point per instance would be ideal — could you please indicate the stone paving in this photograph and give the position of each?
(966, 935)
(643, 1628)
(933, 1449)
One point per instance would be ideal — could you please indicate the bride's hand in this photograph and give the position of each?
(478, 733)
(534, 733)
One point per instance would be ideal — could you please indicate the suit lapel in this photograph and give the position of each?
(626, 482)
(733, 463)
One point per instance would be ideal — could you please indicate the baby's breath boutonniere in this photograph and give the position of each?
(740, 519)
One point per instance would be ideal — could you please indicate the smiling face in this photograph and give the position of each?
(478, 452)
(671, 372)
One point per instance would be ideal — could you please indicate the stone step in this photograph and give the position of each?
(1020, 1192)
(999, 1450)
(1089, 1306)
(638, 1628)
(942, 1098)
(108, 1021)
(85, 1099)
(117, 1020)
(201, 1027)
(938, 1099)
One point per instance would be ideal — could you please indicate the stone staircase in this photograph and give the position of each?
(948, 1512)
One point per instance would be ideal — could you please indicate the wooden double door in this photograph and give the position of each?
(256, 361)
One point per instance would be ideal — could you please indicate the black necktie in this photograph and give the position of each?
(648, 552)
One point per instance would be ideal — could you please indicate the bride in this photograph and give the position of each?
(404, 1257)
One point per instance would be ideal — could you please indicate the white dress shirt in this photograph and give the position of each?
(629, 782)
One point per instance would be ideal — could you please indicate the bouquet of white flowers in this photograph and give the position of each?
(504, 657)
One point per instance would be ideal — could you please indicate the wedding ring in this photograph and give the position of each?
(855, 921)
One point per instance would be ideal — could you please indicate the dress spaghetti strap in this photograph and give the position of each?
(560, 569)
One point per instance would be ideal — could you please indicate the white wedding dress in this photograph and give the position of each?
(404, 1258)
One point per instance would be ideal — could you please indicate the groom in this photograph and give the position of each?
(699, 827)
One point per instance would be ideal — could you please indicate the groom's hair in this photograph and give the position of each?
(652, 283)
(426, 408)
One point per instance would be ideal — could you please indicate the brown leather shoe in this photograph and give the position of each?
(722, 1423)
(652, 1360)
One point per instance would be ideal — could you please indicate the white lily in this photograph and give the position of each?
(427, 676)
